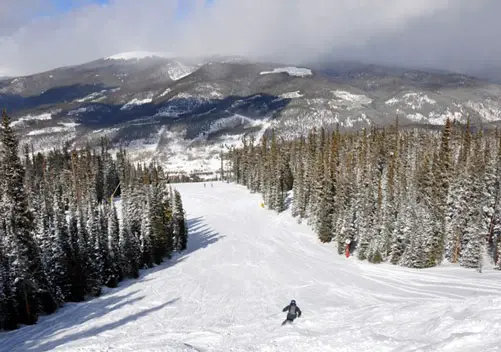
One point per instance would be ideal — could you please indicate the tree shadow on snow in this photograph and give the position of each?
(200, 236)
(71, 315)
(93, 332)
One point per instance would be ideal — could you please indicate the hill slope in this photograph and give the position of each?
(183, 112)
(242, 266)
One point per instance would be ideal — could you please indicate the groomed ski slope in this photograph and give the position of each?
(243, 265)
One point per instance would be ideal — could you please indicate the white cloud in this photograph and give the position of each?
(441, 33)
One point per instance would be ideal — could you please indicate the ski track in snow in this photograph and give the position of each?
(243, 265)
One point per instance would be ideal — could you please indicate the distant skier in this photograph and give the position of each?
(293, 312)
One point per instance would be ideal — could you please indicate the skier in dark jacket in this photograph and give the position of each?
(293, 312)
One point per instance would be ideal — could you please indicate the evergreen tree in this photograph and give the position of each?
(146, 239)
(77, 268)
(30, 284)
(95, 262)
(180, 229)
(412, 197)
(61, 251)
(115, 273)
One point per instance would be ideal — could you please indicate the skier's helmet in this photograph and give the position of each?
(293, 302)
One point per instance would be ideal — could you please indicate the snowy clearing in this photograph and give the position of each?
(489, 110)
(291, 95)
(243, 265)
(165, 92)
(415, 100)
(178, 70)
(65, 127)
(136, 102)
(92, 96)
(41, 117)
(350, 97)
(291, 71)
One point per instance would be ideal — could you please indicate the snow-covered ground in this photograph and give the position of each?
(64, 127)
(291, 95)
(30, 117)
(136, 102)
(92, 97)
(243, 265)
(291, 71)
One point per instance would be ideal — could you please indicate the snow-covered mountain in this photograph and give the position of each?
(184, 112)
(243, 265)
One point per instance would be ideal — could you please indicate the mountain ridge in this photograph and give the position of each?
(163, 106)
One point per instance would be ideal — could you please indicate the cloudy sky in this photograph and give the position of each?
(37, 35)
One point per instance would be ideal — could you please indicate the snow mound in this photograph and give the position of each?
(414, 100)
(40, 117)
(92, 96)
(165, 92)
(64, 127)
(136, 102)
(291, 95)
(291, 71)
(353, 98)
(137, 55)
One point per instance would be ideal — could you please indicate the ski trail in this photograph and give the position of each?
(243, 265)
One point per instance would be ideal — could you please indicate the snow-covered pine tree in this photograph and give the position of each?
(316, 180)
(145, 241)
(415, 255)
(401, 234)
(327, 206)
(77, 269)
(160, 232)
(8, 304)
(99, 180)
(128, 251)
(492, 193)
(95, 262)
(102, 243)
(476, 231)
(436, 192)
(345, 220)
(29, 282)
(115, 275)
(61, 254)
(180, 229)
(298, 191)
(111, 179)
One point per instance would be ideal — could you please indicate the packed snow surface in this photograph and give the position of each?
(244, 263)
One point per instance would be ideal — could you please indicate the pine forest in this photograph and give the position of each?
(62, 235)
(408, 196)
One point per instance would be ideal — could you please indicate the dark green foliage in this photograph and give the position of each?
(180, 229)
(411, 196)
(60, 236)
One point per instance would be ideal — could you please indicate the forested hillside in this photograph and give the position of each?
(413, 197)
(61, 237)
